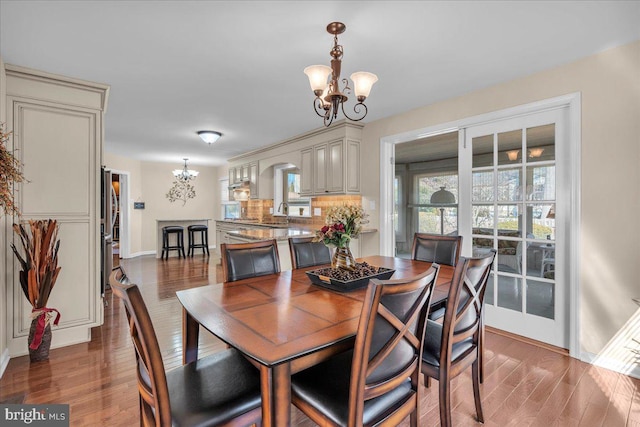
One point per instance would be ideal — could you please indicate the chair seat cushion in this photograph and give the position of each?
(326, 388)
(213, 390)
(433, 340)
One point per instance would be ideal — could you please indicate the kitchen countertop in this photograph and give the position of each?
(271, 233)
(311, 229)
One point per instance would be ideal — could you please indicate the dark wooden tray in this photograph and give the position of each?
(346, 286)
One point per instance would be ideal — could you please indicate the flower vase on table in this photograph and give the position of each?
(343, 258)
(342, 223)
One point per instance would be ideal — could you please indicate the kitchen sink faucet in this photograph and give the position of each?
(284, 208)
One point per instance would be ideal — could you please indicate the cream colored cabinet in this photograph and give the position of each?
(331, 168)
(320, 157)
(57, 125)
(244, 174)
(306, 172)
(232, 176)
(253, 180)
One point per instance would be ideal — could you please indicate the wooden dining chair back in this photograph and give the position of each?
(454, 345)
(307, 253)
(244, 260)
(445, 250)
(223, 389)
(376, 383)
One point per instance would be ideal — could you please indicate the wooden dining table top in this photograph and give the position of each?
(276, 317)
(284, 323)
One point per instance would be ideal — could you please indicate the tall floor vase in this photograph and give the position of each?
(42, 352)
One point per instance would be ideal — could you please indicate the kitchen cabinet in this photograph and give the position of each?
(244, 173)
(306, 171)
(253, 180)
(331, 168)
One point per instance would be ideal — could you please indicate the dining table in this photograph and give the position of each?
(283, 323)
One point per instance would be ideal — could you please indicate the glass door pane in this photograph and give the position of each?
(513, 200)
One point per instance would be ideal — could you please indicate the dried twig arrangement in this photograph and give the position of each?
(10, 172)
(40, 263)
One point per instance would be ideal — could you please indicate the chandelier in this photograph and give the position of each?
(185, 174)
(329, 98)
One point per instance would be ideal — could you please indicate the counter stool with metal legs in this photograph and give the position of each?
(204, 239)
(166, 237)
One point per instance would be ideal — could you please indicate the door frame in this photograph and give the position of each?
(125, 230)
(573, 103)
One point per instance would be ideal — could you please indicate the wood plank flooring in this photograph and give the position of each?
(525, 385)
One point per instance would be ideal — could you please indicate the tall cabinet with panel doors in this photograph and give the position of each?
(57, 124)
(332, 167)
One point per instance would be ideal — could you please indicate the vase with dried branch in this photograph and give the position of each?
(38, 276)
(10, 173)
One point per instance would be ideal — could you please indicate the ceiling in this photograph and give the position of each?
(176, 67)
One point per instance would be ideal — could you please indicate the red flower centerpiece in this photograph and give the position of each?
(342, 224)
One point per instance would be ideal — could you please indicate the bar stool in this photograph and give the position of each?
(179, 246)
(204, 239)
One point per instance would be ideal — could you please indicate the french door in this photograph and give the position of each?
(516, 191)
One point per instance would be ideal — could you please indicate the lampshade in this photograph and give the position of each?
(362, 83)
(443, 197)
(552, 212)
(209, 136)
(318, 75)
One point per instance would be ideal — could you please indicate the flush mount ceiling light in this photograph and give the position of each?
(513, 155)
(535, 152)
(329, 98)
(185, 174)
(209, 136)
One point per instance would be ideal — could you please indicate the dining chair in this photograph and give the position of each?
(445, 250)
(307, 253)
(244, 260)
(376, 383)
(218, 390)
(454, 345)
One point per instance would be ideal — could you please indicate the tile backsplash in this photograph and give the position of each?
(260, 209)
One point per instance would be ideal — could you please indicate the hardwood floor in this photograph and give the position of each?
(525, 385)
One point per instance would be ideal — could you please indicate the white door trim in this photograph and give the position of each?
(125, 230)
(573, 102)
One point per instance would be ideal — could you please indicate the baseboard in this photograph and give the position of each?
(4, 361)
(59, 338)
(143, 253)
(633, 369)
(559, 350)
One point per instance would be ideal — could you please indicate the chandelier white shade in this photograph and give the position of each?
(324, 84)
(209, 136)
(362, 84)
(185, 174)
(318, 75)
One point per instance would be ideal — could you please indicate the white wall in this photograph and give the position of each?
(610, 231)
(149, 182)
